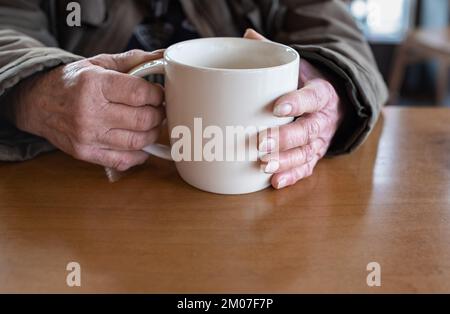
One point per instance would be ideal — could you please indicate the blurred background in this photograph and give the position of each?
(411, 42)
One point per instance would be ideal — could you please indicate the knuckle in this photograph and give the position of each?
(135, 142)
(102, 56)
(84, 63)
(131, 53)
(326, 93)
(143, 119)
(114, 61)
(327, 87)
(325, 117)
(98, 60)
(313, 95)
(289, 140)
(320, 92)
(303, 172)
(139, 95)
(85, 77)
(297, 135)
(313, 128)
(307, 152)
(292, 160)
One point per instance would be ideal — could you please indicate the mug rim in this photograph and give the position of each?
(168, 59)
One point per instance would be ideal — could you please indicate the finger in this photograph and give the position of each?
(124, 62)
(119, 160)
(118, 139)
(130, 90)
(293, 158)
(313, 97)
(252, 34)
(118, 116)
(292, 176)
(298, 133)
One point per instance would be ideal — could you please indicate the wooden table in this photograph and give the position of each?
(389, 202)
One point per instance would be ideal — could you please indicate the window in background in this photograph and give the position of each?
(383, 21)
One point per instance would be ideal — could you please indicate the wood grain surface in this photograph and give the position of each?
(388, 202)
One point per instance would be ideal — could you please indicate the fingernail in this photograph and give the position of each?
(282, 110)
(283, 182)
(267, 145)
(272, 166)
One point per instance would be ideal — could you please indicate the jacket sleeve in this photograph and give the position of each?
(324, 33)
(26, 48)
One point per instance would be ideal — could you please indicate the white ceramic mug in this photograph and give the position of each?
(224, 82)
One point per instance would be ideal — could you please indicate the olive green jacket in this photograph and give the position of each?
(34, 37)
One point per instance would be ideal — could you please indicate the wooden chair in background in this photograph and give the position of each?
(420, 45)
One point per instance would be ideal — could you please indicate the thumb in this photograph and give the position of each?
(124, 62)
(252, 34)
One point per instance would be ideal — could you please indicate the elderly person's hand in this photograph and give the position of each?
(302, 143)
(93, 111)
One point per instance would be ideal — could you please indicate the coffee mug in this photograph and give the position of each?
(212, 86)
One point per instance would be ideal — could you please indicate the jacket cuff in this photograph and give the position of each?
(16, 145)
(32, 62)
(363, 92)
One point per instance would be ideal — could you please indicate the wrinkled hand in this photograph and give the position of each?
(302, 143)
(93, 111)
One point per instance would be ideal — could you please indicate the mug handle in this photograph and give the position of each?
(148, 68)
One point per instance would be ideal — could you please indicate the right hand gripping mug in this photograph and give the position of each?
(219, 96)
